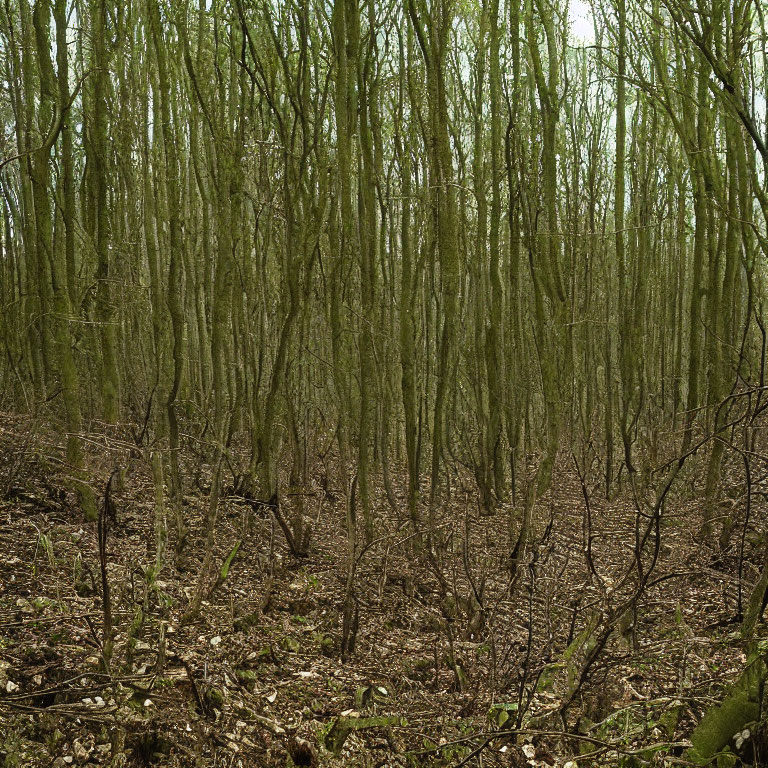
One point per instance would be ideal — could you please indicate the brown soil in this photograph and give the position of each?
(257, 680)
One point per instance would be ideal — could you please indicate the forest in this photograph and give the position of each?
(383, 383)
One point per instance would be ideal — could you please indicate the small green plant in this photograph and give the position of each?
(47, 546)
(290, 644)
(59, 637)
(499, 714)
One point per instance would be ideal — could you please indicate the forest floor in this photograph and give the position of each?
(437, 676)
